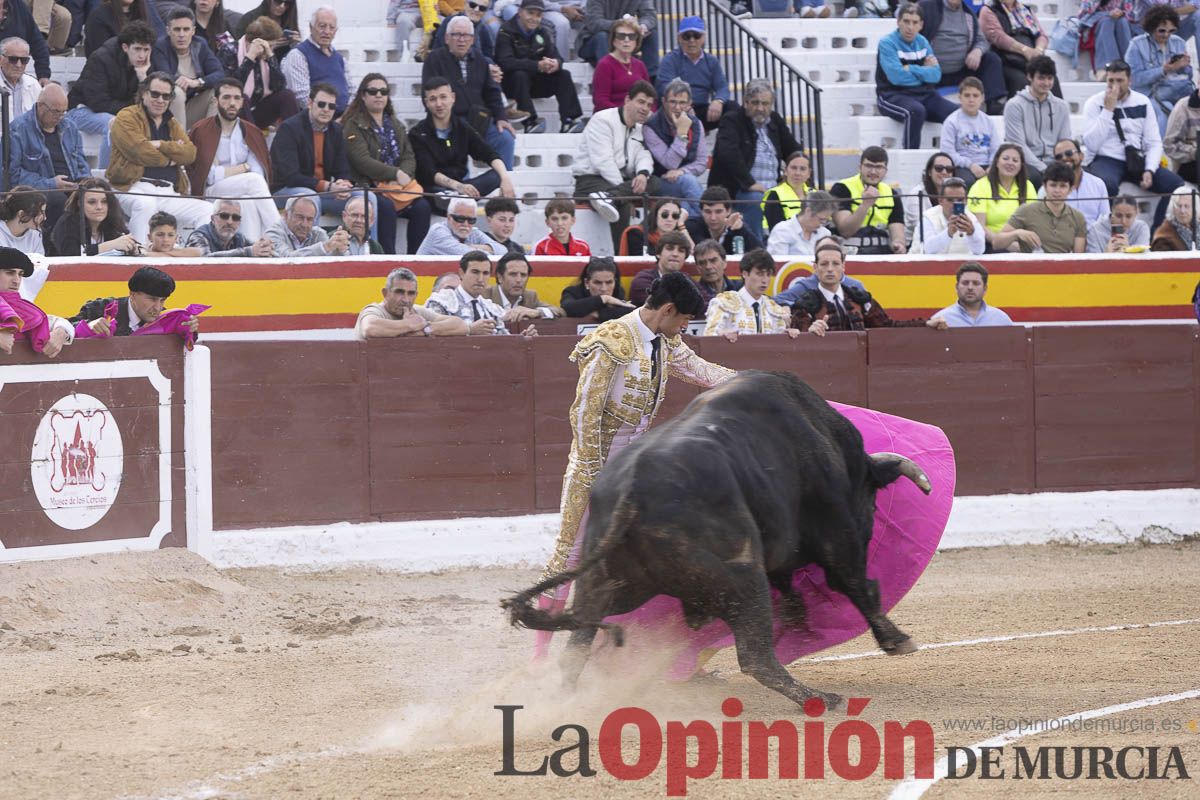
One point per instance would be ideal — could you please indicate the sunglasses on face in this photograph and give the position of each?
(225, 215)
(1065, 154)
(160, 95)
(1165, 31)
(478, 6)
(669, 214)
(282, 2)
(690, 36)
(463, 220)
(325, 105)
(18, 60)
(376, 91)
(626, 36)
(943, 168)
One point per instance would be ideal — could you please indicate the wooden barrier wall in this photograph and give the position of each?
(92, 448)
(319, 432)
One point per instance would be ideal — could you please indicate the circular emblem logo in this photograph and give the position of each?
(791, 272)
(77, 462)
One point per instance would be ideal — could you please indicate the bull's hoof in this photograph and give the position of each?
(902, 647)
(832, 701)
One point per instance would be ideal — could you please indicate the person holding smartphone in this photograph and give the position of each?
(1161, 69)
(1119, 230)
(948, 227)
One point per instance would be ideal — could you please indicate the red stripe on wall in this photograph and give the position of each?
(278, 322)
(1084, 265)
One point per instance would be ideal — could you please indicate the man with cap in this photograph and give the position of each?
(20, 319)
(149, 289)
(701, 70)
(532, 66)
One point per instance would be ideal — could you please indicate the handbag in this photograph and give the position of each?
(1016, 60)
(402, 196)
(1064, 39)
(1135, 159)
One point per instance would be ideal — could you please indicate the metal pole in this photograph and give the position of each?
(920, 215)
(4, 101)
(1194, 219)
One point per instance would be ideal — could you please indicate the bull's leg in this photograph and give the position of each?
(792, 612)
(741, 596)
(596, 597)
(845, 562)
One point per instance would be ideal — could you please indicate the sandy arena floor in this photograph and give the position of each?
(158, 676)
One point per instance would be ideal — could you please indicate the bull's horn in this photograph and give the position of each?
(908, 468)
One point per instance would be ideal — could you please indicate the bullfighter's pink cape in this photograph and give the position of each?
(172, 321)
(25, 319)
(908, 527)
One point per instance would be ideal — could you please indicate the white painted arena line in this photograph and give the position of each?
(1013, 637)
(913, 788)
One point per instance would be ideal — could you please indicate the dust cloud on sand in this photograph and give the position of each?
(155, 675)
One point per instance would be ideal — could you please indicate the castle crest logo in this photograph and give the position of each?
(77, 461)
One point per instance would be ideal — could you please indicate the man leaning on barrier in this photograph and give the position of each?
(399, 315)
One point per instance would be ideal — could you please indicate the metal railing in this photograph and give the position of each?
(743, 55)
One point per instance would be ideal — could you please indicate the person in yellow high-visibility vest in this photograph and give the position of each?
(785, 200)
(871, 217)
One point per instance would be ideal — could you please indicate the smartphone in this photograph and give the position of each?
(287, 34)
(1175, 58)
(1118, 230)
(960, 207)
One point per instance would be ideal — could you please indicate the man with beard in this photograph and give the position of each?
(221, 237)
(752, 142)
(232, 161)
(970, 282)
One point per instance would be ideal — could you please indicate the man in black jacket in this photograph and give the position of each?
(961, 50)
(533, 68)
(109, 81)
(444, 143)
(752, 142)
(478, 100)
(149, 289)
(294, 167)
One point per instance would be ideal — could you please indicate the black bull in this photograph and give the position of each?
(754, 480)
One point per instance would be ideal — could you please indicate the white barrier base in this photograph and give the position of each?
(1159, 516)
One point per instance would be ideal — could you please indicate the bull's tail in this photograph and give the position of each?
(521, 609)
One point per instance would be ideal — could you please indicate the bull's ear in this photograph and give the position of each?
(886, 468)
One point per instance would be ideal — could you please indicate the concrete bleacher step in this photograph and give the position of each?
(889, 133)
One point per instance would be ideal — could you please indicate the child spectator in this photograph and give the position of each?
(501, 213)
(164, 236)
(560, 217)
(968, 135)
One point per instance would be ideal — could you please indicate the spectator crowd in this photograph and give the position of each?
(225, 135)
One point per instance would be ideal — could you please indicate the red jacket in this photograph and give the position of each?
(206, 135)
(553, 247)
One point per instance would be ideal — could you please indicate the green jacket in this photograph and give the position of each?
(362, 149)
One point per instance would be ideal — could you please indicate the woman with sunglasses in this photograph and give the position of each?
(1160, 67)
(92, 224)
(667, 216)
(379, 152)
(110, 17)
(938, 167)
(620, 69)
(785, 200)
(23, 210)
(268, 99)
(282, 13)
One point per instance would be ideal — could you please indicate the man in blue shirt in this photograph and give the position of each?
(907, 75)
(970, 311)
(701, 70)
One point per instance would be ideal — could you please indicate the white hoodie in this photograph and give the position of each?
(613, 150)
